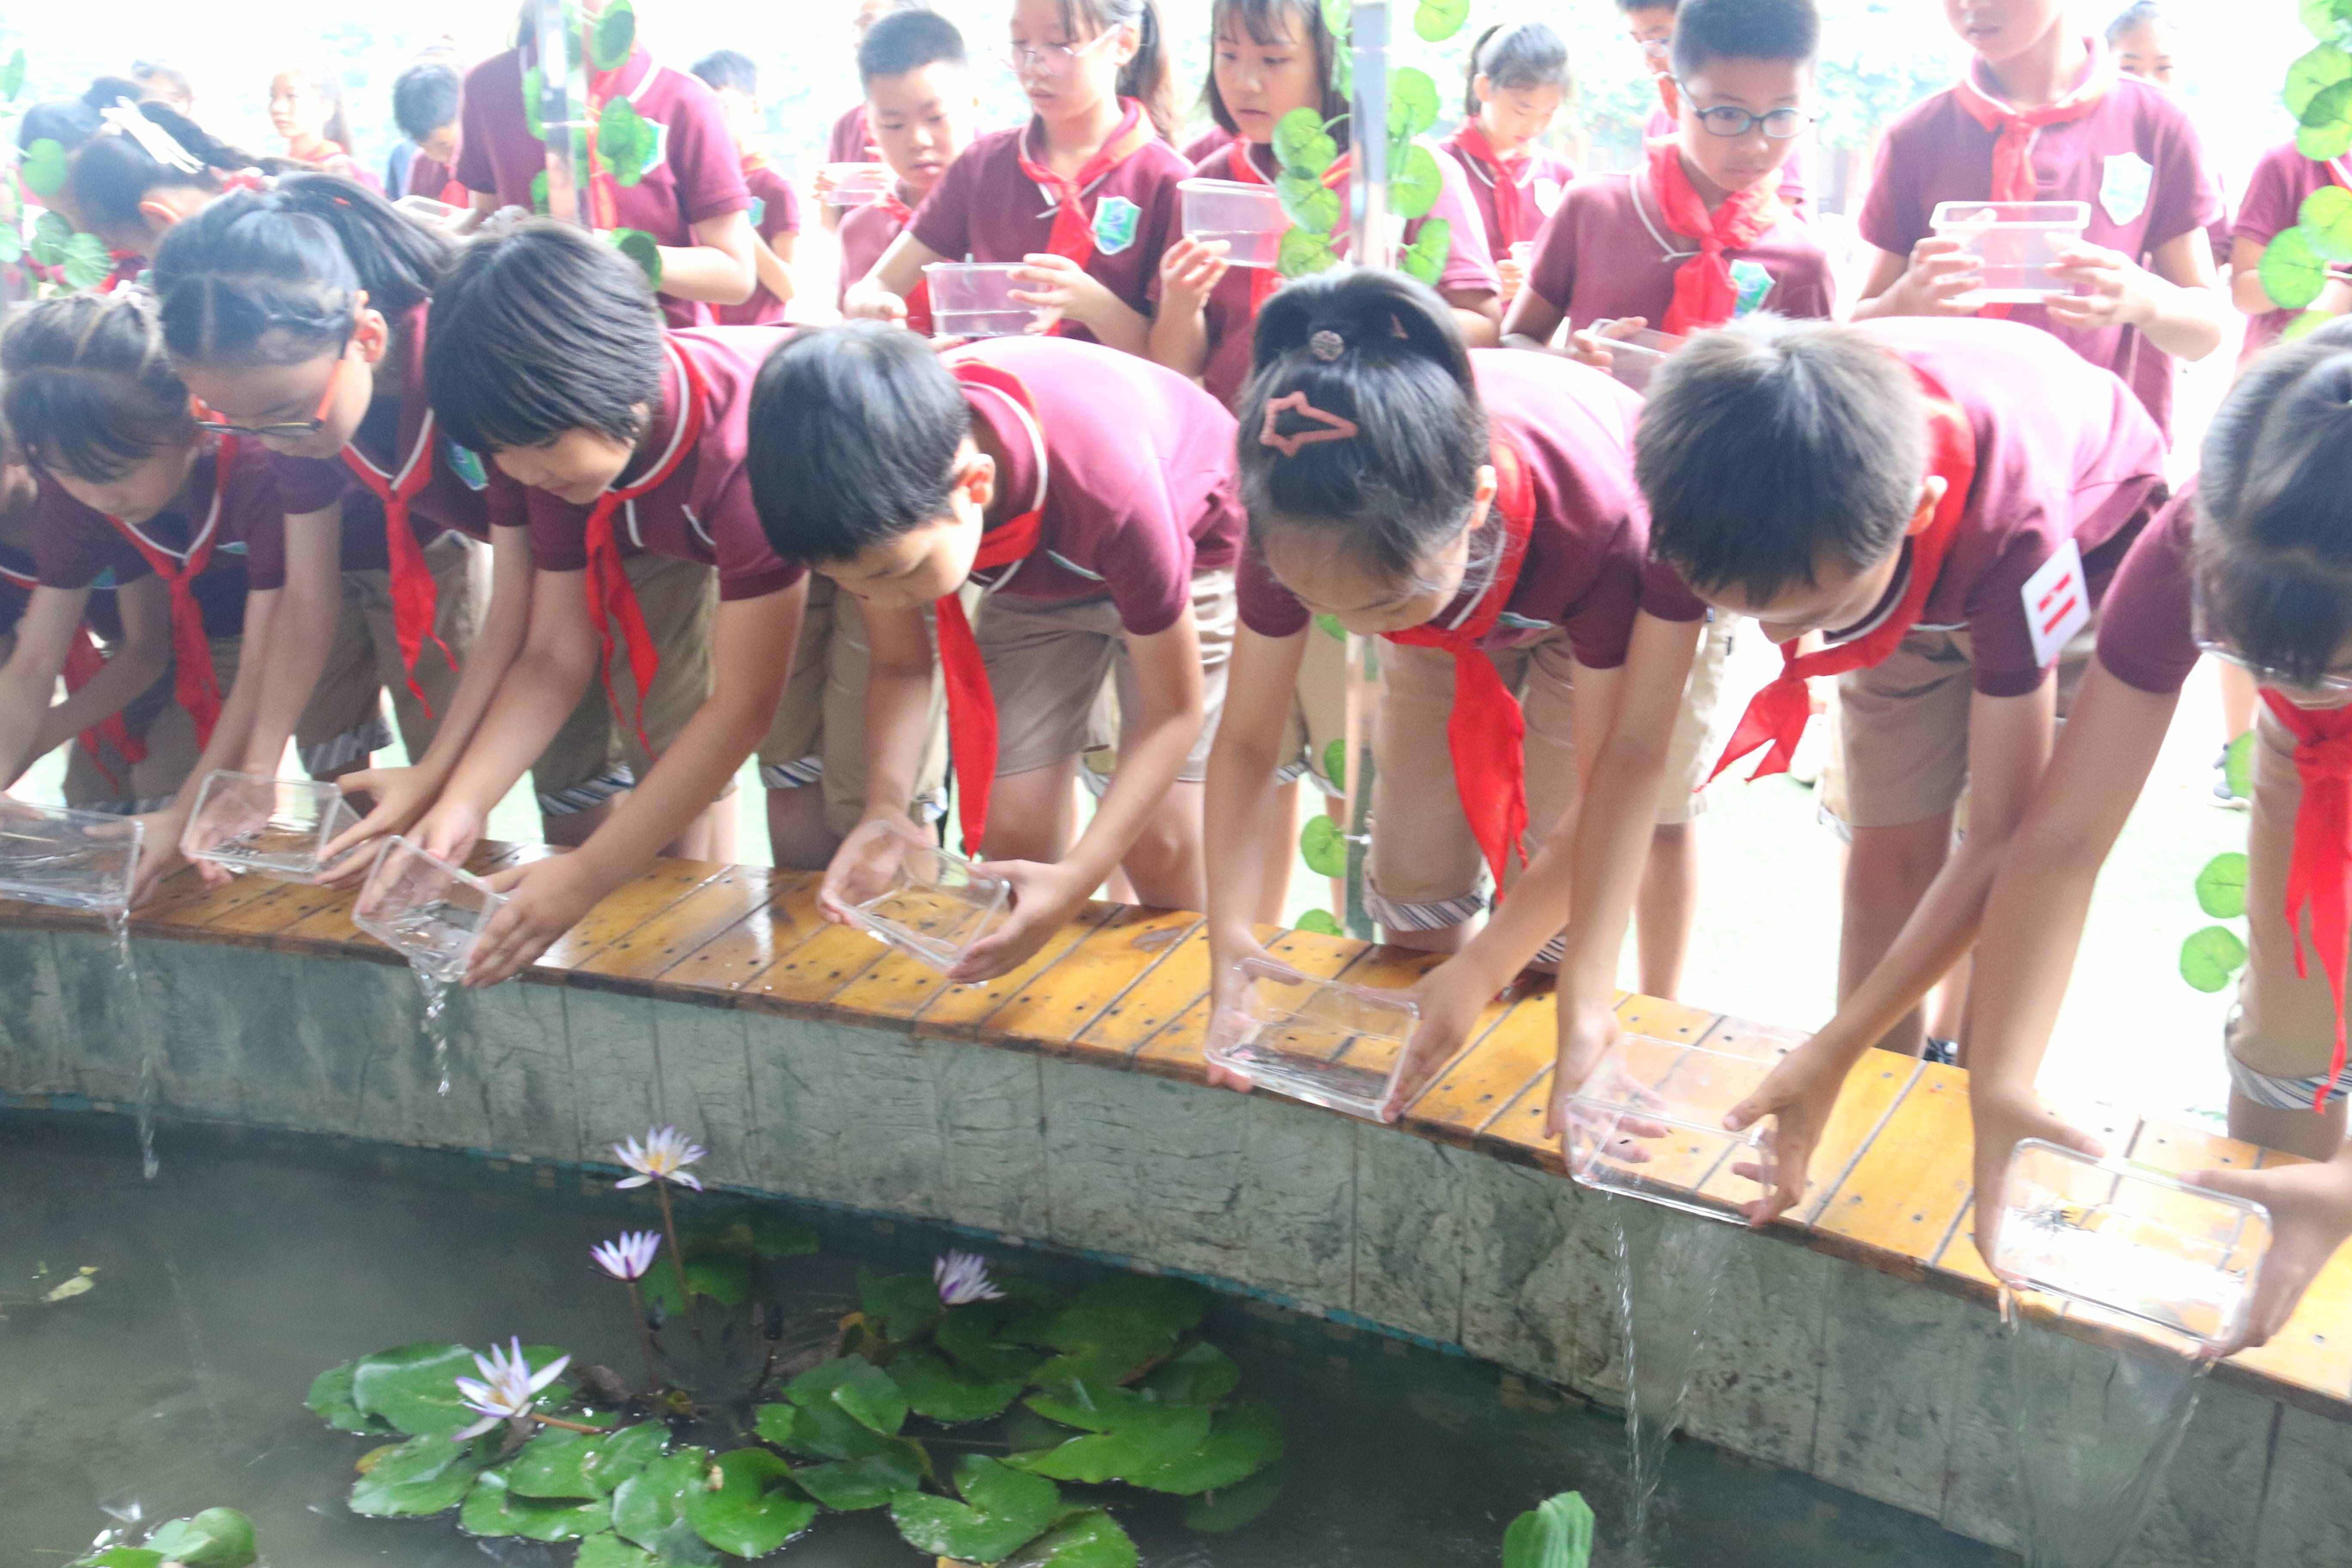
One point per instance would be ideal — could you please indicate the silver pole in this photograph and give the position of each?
(1369, 246)
(553, 27)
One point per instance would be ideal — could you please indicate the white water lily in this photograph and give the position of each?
(629, 1255)
(963, 1279)
(508, 1389)
(664, 1157)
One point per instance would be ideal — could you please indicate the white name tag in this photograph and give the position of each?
(2057, 604)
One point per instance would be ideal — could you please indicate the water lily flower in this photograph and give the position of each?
(666, 1154)
(509, 1388)
(963, 1279)
(627, 1256)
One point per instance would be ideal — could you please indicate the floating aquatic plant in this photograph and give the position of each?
(961, 1278)
(507, 1390)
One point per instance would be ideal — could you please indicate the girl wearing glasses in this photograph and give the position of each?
(2253, 564)
(1084, 195)
(182, 523)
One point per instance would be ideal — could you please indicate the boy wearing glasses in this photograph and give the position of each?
(1651, 25)
(2043, 115)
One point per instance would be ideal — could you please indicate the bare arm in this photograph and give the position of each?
(145, 605)
(898, 707)
(301, 633)
(882, 293)
(1240, 801)
(1479, 312)
(1532, 322)
(2184, 313)
(719, 268)
(774, 259)
(557, 660)
(44, 633)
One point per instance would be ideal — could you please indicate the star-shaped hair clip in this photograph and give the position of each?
(1332, 426)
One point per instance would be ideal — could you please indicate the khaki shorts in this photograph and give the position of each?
(1317, 736)
(1699, 738)
(155, 719)
(1048, 666)
(1901, 751)
(819, 733)
(342, 725)
(1430, 878)
(597, 754)
(2281, 1034)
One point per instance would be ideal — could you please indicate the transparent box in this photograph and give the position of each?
(278, 828)
(428, 911)
(68, 859)
(859, 184)
(903, 890)
(1647, 1123)
(1248, 219)
(2130, 1239)
(1322, 1041)
(1635, 358)
(974, 299)
(2015, 242)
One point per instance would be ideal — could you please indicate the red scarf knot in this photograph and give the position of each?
(194, 682)
(1704, 292)
(1516, 218)
(2012, 154)
(2319, 871)
(415, 600)
(1073, 235)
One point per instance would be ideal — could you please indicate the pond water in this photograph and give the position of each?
(256, 1260)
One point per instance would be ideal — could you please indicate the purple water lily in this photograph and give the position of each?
(664, 1157)
(627, 1256)
(508, 1389)
(963, 1279)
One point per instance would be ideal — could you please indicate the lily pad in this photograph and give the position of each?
(560, 1464)
(1230, 1507)
(2211, 956)
(1116, 1325)
(1322, 922)
(1424, 259)
(121, 1557)
(414, 1387)
(648, 1502)
(216, 1538)
(1136, 1447)
(724, 1278)
(51, 235)
(941, 1392)
(1339, 19)
(1335, 763)
(493, 1509)
(2304, 325)
(43, 166)
(329, 1400)
(826, 1431)
(2325, 18)
(86, 266)
(846, 1485)
(748, 1505)
(2221, 886)
(1305, 147)
(856, 1386)
(606, 1549)
(423, 1476)
(2292, 273)
(1243, 1441)
(1323, 847)
(1091, 1538)
(900, 1305)
(1200, 1374)
(2328, 121)
(1438, 20)
(627, 141)
(1415, 184)
(969, 1334)
(1413, 105)
(750, 1233)
(614, 32)
(1002, 1510)
(1556, 1535)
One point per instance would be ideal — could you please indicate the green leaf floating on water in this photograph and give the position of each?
(1141, 1444)
(1322, 922)
(2221, 886)
(972, 1336)
(1304, 146)
(414, 1387)
(754, 1507)
(1114, 1326)
(1323, 847)
(2211, 956)
(423, 1476)
(846, 1485)
(493, 1510)
(2292, 273)
(1200, 1374)
(900, 1305)
(560, 1464)
(606, 1549)
(944, 1393)
(1003, 1509)
(216, 1538)
(1556, 1535)
(857, 1387)
(647, 1503)
(1242, 1442)
(329, 1400)
(1089, 1539)
(725, 1278)
(749, 1233)
(1230, 1507)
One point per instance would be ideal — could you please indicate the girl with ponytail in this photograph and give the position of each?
(2253, 564)
(1478, 511)
(183, 522)
(129, 184)
(1098, 77)
(1518, 82)
(306, 107)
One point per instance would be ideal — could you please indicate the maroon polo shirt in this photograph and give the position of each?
(775, 212)
(1542, 178)
(77, 547)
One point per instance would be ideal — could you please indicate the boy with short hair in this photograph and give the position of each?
(851, 139)
(2043, 114)
(776, 206)
(424, 100)
(1651, 25)
(1949, 502)
(921, 108)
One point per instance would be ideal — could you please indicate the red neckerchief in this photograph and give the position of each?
(127, 266)
(610, 595)
(2319, 871)
(972, 704)
(1515, 217)
(415, 599)
(193, 681)
(1073, 235)
(1704, 295)
(84, 659)
(2013, 155)
(1264, 281)
(1485, 733)
(918, 298)
(1778, 713)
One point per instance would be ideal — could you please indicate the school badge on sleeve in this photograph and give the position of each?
(465, 463)
(2124, 185)
(1116, 221)
(1751, 285)
(2057, 603)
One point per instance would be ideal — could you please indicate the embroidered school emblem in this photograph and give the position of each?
(465, 463)
(2124, 185)
(759, 211)
(657, 148)
(1116, 221)
(1751, 284)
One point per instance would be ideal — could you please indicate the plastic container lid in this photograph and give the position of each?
(1647, 1123)
(278, 828)
(66, 858)
(913, 896)
(1322, 1041)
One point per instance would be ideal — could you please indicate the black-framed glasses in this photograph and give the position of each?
(206, 420)
(1728, 120)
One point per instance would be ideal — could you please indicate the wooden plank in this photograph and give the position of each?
(1519, 1125)
(1738, 1038)
(1908, 1184)
(1175, 1050)
(194, 908)
(1177, 981)
(1959, 1256)
(810, 972)
(897, 986)
(1384, 968)
(739, 954)
(1063, 1003)
(625, 909)
(2314, 1349)
(1663, 1020)
(274, 911)
(962, 1011)
(652, 949)
(1517, 1049)
(1872, 1091)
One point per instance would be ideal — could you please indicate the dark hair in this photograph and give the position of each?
(329, 88)
(729, 68)
(90, 391)
(272, 277)
(1526, 54)
(1770, 446)
(855, 431)
(424, 98)
(1271, 22)
(2273, 534)
(108, 90)
(907, 41)
(70, 121)
(540, 330)
(144, 71)
(1630, 6)
(113, 172)
(1399, 371)
(1148, 77)
(1744, 30)
(2139, 14)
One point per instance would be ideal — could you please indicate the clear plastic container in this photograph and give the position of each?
(974, 299)
(278, 828)
(1322, 1041)
(1635, 358)
(859, 184)
(1249, 218)
(2130, 1239)
(68, 859)
(432, 214)
(906, 891)
(1647, 1123)
(428, 911)
(2016, 242)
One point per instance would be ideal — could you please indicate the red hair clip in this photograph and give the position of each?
(1334, 428)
